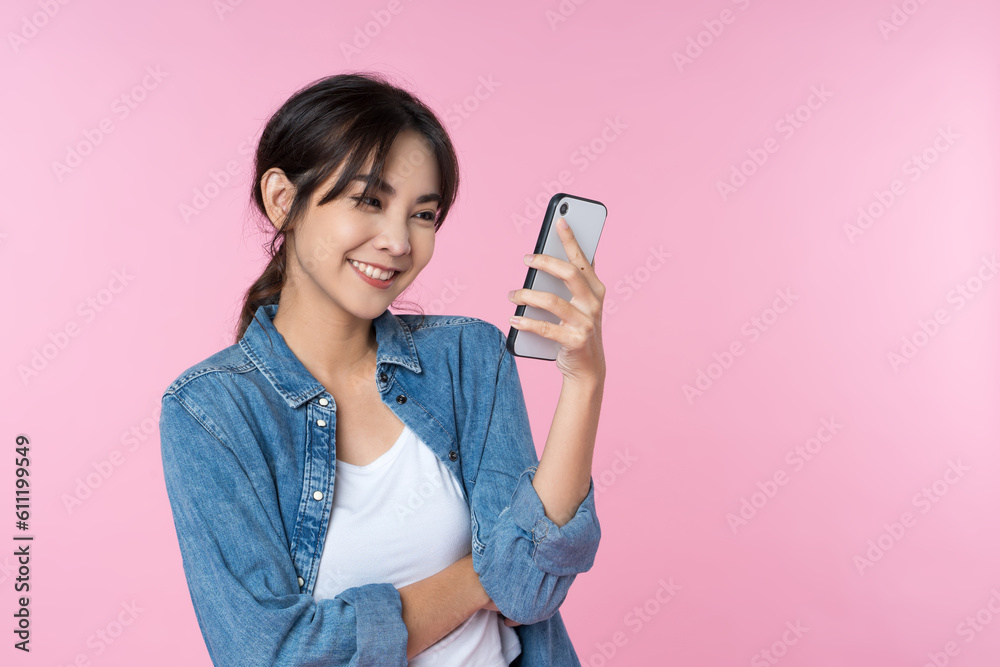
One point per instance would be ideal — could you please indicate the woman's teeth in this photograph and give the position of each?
(372, 272)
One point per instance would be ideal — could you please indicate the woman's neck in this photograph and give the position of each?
(337, 352)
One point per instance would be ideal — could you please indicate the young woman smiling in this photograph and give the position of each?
(354, 486)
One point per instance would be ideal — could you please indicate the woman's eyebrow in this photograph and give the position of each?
(382, 186)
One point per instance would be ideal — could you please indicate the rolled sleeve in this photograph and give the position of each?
(566, 549)
(526, 563)
(381, 633)
(239, 571)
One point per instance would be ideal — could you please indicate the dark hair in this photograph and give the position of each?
(342, 117)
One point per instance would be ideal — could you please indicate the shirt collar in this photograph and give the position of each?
(267, 349)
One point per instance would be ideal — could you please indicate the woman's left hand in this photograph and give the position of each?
(581, 355)
(510, 623)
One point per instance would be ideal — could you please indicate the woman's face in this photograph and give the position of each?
(393, 228)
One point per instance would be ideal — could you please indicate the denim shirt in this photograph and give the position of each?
(248, 447)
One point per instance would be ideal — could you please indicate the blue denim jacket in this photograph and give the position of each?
(248, 448)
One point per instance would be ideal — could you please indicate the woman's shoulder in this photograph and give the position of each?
(424, 322)
(232, 359)
(446, 341)
(461, 329)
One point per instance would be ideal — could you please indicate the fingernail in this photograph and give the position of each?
(510, 295)
(528, 258)
(562, 223)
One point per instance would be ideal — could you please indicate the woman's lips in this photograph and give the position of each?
(374, 282)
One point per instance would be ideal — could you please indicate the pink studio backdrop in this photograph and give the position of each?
(797, 460)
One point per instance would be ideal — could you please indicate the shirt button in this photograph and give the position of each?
(321, 422)
(301, 581)
(453, 455)
(318, 495)
(401, 399)
(324, 402)
(383, 377)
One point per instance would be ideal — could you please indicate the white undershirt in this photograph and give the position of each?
(400, 519)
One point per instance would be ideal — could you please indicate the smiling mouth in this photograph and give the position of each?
(372, 272)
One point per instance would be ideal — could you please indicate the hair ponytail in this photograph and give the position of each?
(266, 289)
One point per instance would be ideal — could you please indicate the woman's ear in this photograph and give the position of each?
(278, 193)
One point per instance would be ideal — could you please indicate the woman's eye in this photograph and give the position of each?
(429, 216)
(365, 200)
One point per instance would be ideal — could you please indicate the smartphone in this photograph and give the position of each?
(586, 218)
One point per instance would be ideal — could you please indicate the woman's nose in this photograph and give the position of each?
(394, 236)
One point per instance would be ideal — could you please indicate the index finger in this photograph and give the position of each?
(573, 250)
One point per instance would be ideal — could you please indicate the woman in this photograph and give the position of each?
(444, 540)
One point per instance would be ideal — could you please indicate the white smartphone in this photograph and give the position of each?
(586, 218)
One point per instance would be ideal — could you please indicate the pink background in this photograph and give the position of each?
(677, 579)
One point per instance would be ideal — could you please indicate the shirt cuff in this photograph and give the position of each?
(381, 633)
(560, 550)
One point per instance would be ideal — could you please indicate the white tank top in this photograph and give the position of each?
(400, 519)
